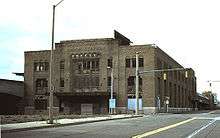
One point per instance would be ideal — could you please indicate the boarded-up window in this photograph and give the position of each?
(40, 104)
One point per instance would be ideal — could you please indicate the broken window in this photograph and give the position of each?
(61, 82)
(88, 65)
(41, 66)
(140, 81)
(133, 60)
(96, 81)
(93, 64)
(41, 85)
(110, 63)
(109, 81)
(97, 64)
(141, 62)
(40, 104)
(128, 63)
(131, 81)
(62, 64)
(84, 65)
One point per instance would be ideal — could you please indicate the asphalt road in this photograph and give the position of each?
(153, 126)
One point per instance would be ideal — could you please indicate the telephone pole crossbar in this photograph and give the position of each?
(162, 70)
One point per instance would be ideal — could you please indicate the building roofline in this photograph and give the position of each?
(18, 73)
(117, 36)
(141, 45)
(156, 47)
(15, 81)
(85, 40)
(148, 45)
(37, 51)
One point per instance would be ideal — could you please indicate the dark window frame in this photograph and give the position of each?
(62, 82)
(141, 62)
(110, 62)
(109, 81)
(127, 62)
(133, 62)
(62, 65)
(41, 66)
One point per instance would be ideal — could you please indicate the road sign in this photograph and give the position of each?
(112, 103)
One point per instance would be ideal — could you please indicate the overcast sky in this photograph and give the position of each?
(188, 30)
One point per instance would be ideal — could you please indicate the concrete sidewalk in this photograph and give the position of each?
(60, 122)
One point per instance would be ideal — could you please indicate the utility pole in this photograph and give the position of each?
(51, 85)
(112, 87)
(137, 85)
(111, 90)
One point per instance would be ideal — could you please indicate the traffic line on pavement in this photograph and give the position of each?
(204, 127)
(162, 129)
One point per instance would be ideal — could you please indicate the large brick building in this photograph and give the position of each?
(82, 79)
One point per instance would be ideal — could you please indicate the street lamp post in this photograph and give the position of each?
(137, 85)
(112, 83)
(112, 88)
(51, 86)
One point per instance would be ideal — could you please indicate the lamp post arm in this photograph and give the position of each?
(58, 3)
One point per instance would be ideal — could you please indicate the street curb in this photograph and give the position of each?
(60, 125)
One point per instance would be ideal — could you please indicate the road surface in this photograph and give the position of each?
(199, 125)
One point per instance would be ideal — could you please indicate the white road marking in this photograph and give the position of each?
(212, 120)
(202, 128)
(162, 129)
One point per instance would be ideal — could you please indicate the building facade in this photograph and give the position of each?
(81, 76)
